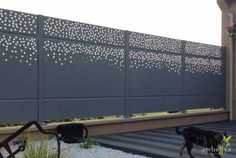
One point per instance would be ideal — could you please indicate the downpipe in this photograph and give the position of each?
(231, 69)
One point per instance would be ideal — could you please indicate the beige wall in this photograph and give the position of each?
(229, 42)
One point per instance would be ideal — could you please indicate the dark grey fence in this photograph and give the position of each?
(53, 69)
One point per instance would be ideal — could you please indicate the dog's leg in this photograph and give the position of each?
(1, 156)
(209, 153)
(216, 152)
(183, 146)
(217, 155)
(189, 149)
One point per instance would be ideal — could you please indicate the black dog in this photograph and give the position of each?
(205, 138)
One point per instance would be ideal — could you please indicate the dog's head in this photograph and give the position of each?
(223, 139)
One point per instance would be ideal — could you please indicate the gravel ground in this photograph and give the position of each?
(74, 151)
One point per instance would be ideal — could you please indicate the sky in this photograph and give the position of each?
(191, 20)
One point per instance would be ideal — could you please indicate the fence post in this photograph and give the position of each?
(40, 68)
(183, 55)
(126, 52)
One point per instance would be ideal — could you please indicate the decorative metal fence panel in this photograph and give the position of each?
(53, 69)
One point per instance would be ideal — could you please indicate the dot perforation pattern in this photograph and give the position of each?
(62, 53)
(204, 66)
(153, 60)
(18, 22)
(154, 42)
(83, 32)
(20, 49)
(203, 49)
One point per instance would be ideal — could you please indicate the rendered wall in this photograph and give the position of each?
(228, 8)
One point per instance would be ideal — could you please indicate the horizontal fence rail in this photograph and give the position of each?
(53, 69)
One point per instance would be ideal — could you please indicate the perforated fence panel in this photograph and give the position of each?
(53, 69)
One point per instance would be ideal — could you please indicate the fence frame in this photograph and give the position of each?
(40, 38)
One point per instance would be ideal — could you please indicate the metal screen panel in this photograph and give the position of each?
(154, 73)
(154, 104)
(204, 76)
(18, 67)
(82, 70)
(18, 110)
(84, 107)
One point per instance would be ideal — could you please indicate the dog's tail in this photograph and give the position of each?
(178, 131)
